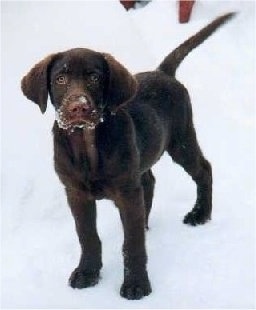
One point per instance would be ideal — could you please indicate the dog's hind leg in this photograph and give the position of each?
(148, 183)
(186, 152)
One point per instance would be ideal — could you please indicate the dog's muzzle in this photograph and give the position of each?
(78, 111)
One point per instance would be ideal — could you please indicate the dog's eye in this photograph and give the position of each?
(94, 77)
(61, 80)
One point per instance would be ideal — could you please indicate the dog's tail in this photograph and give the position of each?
(174, 59)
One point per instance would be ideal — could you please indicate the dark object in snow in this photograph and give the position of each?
(128, 4)
(134, 4)
(185, 9)
(143, 116)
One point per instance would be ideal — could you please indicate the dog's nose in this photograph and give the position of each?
(77, 109)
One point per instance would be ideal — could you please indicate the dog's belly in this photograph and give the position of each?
(97, 190)
(152, 146)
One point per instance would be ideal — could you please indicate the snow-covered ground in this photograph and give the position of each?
(210, 266)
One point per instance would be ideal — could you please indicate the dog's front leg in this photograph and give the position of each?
(136, 283)
(84, 212)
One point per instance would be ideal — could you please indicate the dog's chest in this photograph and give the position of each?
(85, 153)
(91, 152)
(98, 164)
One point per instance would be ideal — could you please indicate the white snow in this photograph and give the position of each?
(210, 266)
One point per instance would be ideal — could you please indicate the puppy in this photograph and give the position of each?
(110, 129)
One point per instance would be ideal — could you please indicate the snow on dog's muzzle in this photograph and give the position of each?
(77, 111)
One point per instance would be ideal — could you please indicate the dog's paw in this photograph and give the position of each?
(135, 290)
(197, 216)
(82, 279)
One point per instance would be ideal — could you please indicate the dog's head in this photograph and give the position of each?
(82, 85)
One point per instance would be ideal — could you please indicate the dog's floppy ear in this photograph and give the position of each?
(122, 85)
(34, 85)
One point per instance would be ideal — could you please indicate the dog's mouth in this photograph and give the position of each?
(78, 114)
(72, 124)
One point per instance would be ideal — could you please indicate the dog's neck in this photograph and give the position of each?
(91, 150)
(83, 148)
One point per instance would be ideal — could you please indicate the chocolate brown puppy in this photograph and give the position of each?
(111, 127)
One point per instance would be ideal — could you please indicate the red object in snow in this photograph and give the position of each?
(128, 4)
(185, 9)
